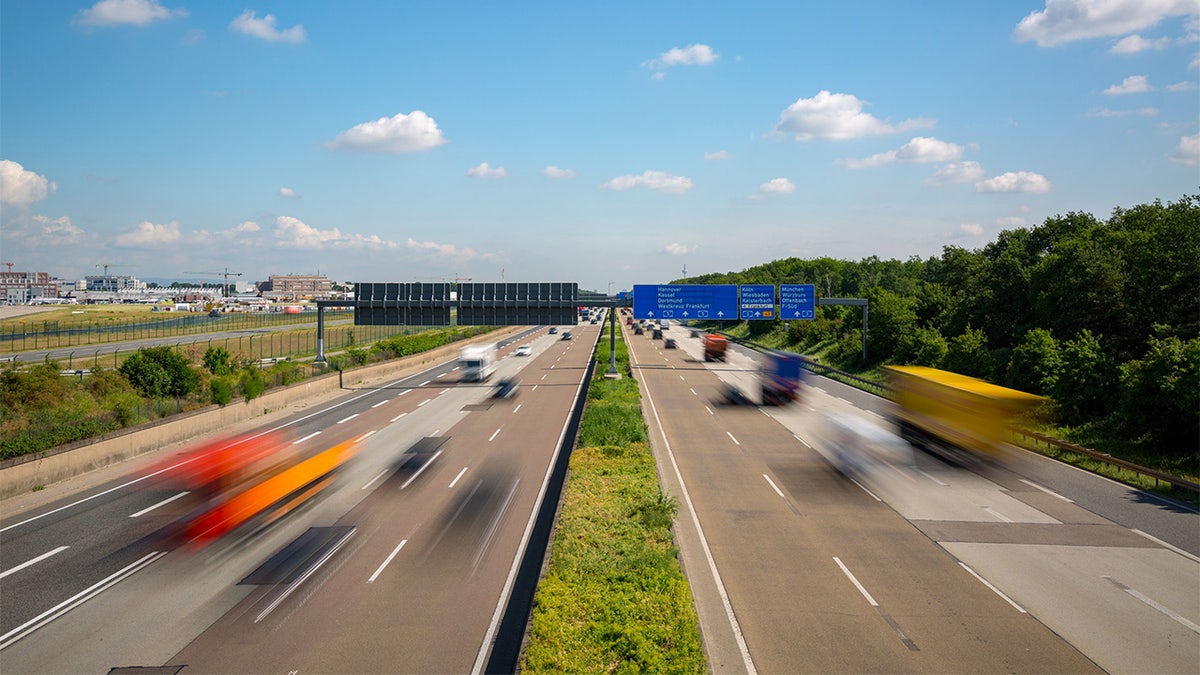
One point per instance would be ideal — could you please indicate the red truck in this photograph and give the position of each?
(714, 347)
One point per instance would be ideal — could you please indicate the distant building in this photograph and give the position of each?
(112, 283)
(295, 286)
(19, 288)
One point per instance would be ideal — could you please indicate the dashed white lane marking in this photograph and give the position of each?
(460, 475)
(148, 509)
(387, 560)
(774, 486)
(34, 561)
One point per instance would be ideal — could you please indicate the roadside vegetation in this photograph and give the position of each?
(40, 408)
(1099, 316)
(613, 597)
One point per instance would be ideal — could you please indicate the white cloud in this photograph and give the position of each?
(1185, 85)
(920, 150)
(448, 250)
(485, 171)
(1010, 222)
(972, 229)
(126, 13)
(1134, 84)
(775, 186)
(1015, 181)
(679, 249)
(837, 117)
(956, 172)
(719, 155)
(294, 233)
(288, 192)
(1188, 150)
(19, 187)
(1136, 43)
(265, 29)
(402, 133)
(148, 235)
(1136, 112)
(247, 226)
(659, 181)
(56, 232)
(555, 172)
(691, 55)
(1067, 20)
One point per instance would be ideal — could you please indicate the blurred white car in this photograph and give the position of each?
(523, 350)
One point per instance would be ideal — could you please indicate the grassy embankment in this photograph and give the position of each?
(613, 598)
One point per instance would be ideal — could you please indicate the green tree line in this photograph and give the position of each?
(1102, 316)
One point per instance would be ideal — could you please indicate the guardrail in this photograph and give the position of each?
(881, 389)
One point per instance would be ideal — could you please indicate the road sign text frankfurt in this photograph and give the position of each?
(685, 301)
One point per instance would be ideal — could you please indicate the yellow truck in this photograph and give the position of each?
(948, 413)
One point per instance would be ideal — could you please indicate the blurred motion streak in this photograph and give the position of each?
(959, 417)
(232, 481)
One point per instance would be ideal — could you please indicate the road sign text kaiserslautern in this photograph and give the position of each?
(685, 301)
(757, 301)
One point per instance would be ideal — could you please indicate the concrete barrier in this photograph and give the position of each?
(24, 474)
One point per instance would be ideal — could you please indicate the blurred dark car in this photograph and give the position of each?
(657, 334)
(566, 335)
(637, 330)
(506, 388)
(670, 343)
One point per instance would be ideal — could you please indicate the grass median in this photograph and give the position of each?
(613, 597)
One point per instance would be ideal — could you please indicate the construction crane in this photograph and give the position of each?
(10, 265)
(226, 274)
(108, 265)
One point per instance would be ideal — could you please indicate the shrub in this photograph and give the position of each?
(159, 372)
(252, 382)
(216, 360)
(222, 390)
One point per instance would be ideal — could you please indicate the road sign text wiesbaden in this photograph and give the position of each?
(757, 301)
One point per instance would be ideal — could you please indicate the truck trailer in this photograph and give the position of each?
(477, 362)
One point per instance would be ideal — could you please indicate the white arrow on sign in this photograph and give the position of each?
(649, 313)
(797, 312)
(720, 313)
(685, 314)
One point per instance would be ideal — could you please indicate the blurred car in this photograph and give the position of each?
(638, 330)
(553, 330)
(506, 388)
(657, 334)
(566, 335)
(523, 350)
(669, 343)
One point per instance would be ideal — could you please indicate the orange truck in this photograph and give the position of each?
(714, 347)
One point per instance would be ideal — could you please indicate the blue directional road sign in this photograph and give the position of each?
(685, 301)
(797, 301)
(757, 301)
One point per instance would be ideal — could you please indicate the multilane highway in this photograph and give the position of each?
(910, 564)
(405, 565)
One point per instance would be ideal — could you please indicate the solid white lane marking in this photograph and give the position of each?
(995, 590)
(387, 560)
(365, 436)
(1164, 544)
(735, 441)
(399, 416)
(1048, 491)
(379, 404)
(774, 486)
(933, 478)
(76, 600)
(420, 470)
(1184, 621)
(997, 515)
(312, 435)
(303, 577)
(347, 419)
(164, 502)
(853, 580)
(33, 561)
(460, 475)
(494, 434)
(377, 477)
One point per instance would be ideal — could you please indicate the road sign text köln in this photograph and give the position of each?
(757, 301)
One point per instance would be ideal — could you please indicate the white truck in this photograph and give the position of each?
(477, 362)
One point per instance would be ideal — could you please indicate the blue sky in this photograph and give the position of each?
(590, 142)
